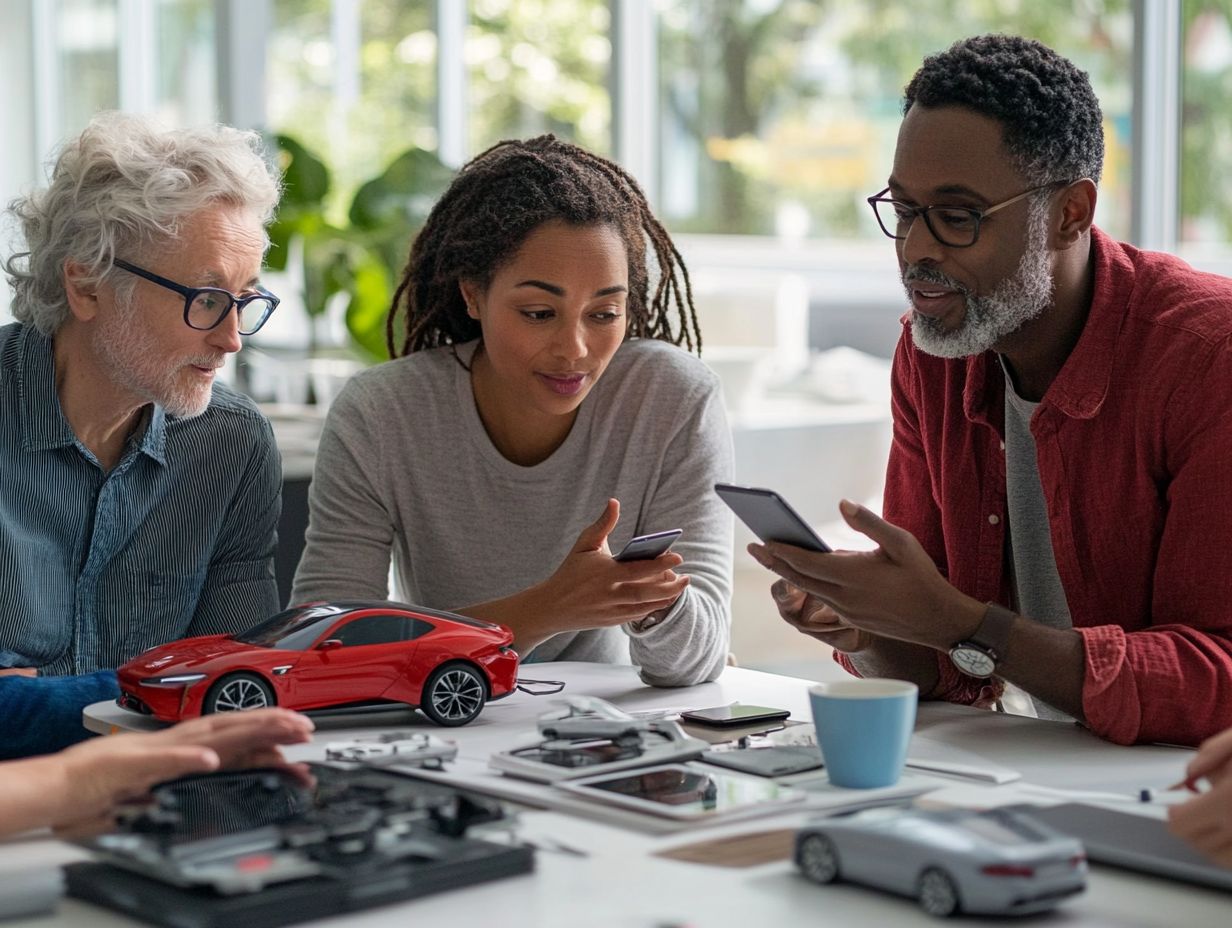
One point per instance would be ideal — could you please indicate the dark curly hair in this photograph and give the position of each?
(495, 202)
(1053, 126)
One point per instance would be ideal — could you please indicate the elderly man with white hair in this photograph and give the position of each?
(138, 498)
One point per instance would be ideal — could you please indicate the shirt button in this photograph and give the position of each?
(994, 519)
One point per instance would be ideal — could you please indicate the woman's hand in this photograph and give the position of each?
(590, 589)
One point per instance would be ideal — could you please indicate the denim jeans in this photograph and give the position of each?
(39, 715)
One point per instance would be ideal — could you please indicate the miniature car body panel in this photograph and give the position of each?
(587, 736)
(326, 655)
(397, 747)
(951, 860)
(586, 717)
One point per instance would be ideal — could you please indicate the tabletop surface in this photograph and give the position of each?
(592, 872)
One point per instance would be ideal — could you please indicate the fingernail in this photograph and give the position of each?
(848, 508)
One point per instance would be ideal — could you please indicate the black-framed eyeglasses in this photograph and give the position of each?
(206, 307)
(953, 226)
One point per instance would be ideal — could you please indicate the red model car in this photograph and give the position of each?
(330, 655)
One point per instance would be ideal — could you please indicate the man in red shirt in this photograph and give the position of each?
(1058, 508)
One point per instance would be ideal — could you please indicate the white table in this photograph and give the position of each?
(621, 883)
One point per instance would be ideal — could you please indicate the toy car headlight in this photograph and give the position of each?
(179, 679)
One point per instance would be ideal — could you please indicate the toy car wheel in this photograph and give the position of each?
(818, 859)
(238, 691)
(454, 694)
(938, 894)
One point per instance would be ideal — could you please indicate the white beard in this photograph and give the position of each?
(1013, 303)
(138, 364)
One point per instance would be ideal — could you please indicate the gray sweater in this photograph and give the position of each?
(405, 466)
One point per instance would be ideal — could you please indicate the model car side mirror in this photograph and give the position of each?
(330, 644)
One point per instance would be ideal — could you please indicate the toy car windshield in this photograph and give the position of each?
(290, 630)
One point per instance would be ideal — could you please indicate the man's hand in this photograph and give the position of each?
(92, 779)
(895, 591)
(812, 617)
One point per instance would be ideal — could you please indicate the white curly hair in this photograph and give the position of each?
(122, 187)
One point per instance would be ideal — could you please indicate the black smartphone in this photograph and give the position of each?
(733, 716)
(769, 516)
(648, 547)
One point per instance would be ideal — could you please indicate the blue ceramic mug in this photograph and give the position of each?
(863, 729)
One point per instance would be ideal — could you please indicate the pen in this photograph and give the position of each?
(1189, 783)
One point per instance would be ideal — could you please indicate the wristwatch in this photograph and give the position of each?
(979, 655)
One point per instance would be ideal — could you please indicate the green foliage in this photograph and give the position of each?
(797, 101)
(1206, 124)
(363, 257)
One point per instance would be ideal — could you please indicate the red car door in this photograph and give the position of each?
(357, 660)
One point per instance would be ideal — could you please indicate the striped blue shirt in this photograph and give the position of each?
(176, 540)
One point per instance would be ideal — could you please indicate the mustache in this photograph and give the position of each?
(931, 275)
(213, 361)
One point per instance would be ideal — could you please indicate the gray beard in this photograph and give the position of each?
(1013, 303)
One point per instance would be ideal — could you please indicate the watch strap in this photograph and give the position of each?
(993, 635)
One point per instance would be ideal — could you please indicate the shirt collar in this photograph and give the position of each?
(1082, 384)
(43, 423)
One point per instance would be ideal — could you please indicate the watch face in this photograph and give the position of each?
(972, 661)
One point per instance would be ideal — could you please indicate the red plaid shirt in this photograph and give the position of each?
(1134, 443)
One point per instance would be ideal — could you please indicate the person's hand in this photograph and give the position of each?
(18, 672)
(812, 617)
(1206, 822)
(1212, 763)
(97, 776)
(895, 591)
(590, 589)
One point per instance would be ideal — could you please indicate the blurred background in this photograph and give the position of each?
(757, 128)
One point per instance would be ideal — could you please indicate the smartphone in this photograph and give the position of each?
(648, 547)
(734, 715)
(778, 761)
(769, 516)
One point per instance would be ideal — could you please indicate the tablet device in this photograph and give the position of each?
(1135, 842)
(685, 792)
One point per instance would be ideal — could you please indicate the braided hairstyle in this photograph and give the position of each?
(495, 202)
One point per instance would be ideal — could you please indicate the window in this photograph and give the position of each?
(354, 82)
(536, 66)
(380, 629)
(82, 66)
(1206, 124)
(778, 117)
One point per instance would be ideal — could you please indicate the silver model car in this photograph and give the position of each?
(397, 747)
(951, 860)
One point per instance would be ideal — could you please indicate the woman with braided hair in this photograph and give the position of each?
(539, 413)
